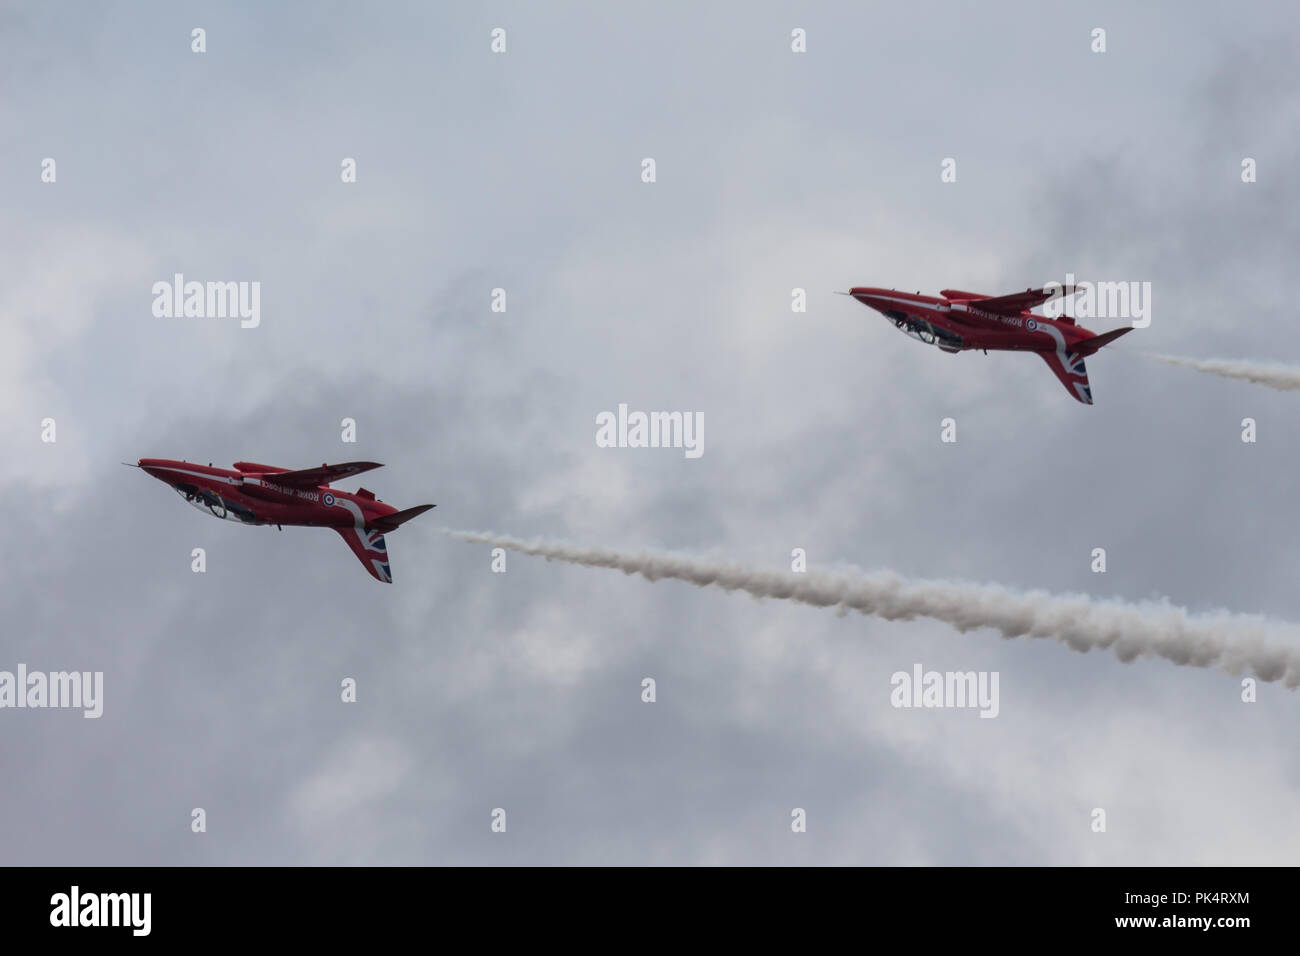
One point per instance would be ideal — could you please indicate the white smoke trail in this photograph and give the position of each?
(1285, 378)
(1230, 642)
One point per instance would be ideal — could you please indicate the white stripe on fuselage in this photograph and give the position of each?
(970, 307)
(1061, 355)
(311, 495)
(888, 298)
(358, 519)
(196, 474)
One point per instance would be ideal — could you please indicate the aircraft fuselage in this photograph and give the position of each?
(955, 325)
(255, 497)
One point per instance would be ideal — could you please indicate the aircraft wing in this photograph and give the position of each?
(1019, 302)
(314, 477)
(371, 551)
(253, 468)
(1072, 373)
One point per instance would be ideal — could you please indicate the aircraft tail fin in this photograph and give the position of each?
(1072, 372)
(371, 551)
(1088, 346)
(368, 543)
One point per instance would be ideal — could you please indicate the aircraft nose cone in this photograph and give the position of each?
(866, 295)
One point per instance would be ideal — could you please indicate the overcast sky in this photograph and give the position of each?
(522, 171)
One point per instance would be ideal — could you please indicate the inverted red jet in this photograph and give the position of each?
(968, 320)
(265, 494)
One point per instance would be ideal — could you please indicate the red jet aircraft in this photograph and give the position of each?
(968, 320)
(265, 494)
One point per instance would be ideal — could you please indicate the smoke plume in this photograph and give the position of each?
(1285, 378)
(1230, 642)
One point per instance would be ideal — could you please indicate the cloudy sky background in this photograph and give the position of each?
(522, 690)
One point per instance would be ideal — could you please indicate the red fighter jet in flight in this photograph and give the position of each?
(265, 494)
(968, 320)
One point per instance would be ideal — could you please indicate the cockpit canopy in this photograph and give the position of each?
(924, 331)
(209, 502)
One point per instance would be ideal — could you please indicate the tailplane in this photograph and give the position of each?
(1088, 346)
(398, 518)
